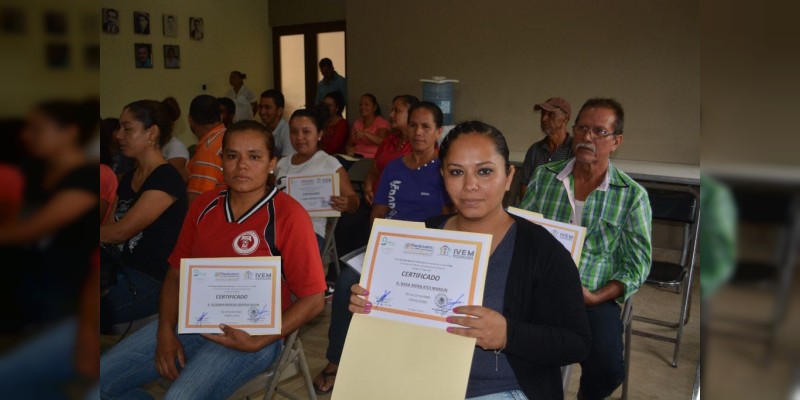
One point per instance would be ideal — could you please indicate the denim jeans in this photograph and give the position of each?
(211, 372)
(39, 368)
(509, 395)
(122, 306)
(340, 315)
(603, 370)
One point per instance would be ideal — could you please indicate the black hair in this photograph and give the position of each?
(374, 101)
(160, 113)
(251, 125)
(326, 62)
(229, 104)
(276, 96)
(338, 99)
(476, 128)
(319, 115)
(241, 74)
(438, 117)
(85, 115)
(601, 102)
(204, 110)
(107, 128)
(407, 99)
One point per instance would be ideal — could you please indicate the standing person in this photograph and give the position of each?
(331, 81)
(245, 99)
(270, 109)
(306, 127)
(394, 146)
(533, 319)
(557, 143)
(369, 130)
(205, 167)
(174, 151)
(334, 138)
(587, 190)
(150, 209)
(213, 366)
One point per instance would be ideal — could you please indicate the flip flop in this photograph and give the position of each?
(325, 376)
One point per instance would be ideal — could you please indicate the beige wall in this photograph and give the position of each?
(237, 37)
(509, 55)
(295, 12)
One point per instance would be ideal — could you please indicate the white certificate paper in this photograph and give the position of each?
(242, 292)
(417, 275)
(571, 236)
(314, 192)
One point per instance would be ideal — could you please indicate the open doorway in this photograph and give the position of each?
(297, 50)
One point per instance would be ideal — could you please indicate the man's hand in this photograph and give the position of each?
(236, 339)
(169, 348)
(589, 298)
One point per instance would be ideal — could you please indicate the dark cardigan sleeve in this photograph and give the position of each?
(544, 309)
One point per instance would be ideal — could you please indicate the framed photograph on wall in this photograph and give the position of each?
(172, 56)
(141, 22)
(196, 28)
(143, 55)
(170, 25)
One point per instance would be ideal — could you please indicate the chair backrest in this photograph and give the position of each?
(672, 205)
(358, 172)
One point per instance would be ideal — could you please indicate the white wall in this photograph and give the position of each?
(237, 37)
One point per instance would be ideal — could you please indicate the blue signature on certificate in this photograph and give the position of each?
(384, 299)
(256, 315)
(202, 318)
(443, 304)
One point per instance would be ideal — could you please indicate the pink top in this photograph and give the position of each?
(364, 146)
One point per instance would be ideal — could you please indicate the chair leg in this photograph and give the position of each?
(628, 320)
(312, 394)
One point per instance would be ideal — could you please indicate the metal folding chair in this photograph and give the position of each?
(674, 205)
(291, 360)
(329, 253)
(358, 173)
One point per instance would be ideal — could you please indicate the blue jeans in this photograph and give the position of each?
(509, 395)
(603, 370)
(122, 306)
(340, 315)
(39, 368)
(211, 372)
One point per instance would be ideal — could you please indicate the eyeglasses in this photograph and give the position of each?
(584, 130)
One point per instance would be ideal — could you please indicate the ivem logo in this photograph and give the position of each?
(263, 276)
(464, 254)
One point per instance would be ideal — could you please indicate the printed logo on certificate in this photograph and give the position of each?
(419, 275)
(242, 292)
(571, 236)
(314, 192)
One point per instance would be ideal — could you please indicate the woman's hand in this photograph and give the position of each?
(359, 305)
(340, 203)
(235, 339)
(484, 324)
(168, 349)
(369, 196)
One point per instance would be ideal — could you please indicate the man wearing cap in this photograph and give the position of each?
(557, 143)
(588, 190)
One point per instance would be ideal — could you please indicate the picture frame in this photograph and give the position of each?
(141, 22)
(170, 25)
(172, 56)
(196, 28)
(143, 55)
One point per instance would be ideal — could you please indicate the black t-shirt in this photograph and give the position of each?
(147, 251)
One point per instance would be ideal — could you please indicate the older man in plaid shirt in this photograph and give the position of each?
(588, 190)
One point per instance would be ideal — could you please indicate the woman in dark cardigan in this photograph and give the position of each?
(533, 319)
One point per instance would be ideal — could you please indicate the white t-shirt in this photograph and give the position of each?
(244, 103)
(175, 148)
(283, 144)
(577, 217)
(319, 163)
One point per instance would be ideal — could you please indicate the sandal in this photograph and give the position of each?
(325, 376)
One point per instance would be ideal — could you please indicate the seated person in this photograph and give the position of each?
(174, 151)
(334, 138)
(214, 366)
(151, 204)
(411, 189)
(533, 319)
(305, 131)
(369, 130)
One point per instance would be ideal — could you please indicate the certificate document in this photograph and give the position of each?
(242, 292)
(571, 236)
(417, 275)
(314, 192)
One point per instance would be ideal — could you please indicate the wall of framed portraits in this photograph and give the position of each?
(153, 49)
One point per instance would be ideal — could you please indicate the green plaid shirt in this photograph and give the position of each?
(617, 218)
